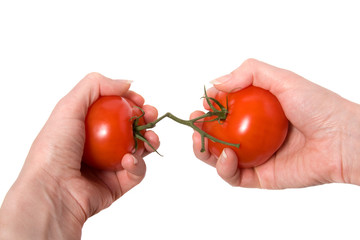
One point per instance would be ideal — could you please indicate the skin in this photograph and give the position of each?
(323, 143)
(61, 191)
(322, 147)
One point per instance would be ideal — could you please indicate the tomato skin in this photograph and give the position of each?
(255, 120)
(109, 132)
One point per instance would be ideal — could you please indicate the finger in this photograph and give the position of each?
(151, 113)
(228, 168)
(196, 114)
(76, 103)
(205, 156)
(153, 139)
(211, 92)
(135, 97)
(260, 74)
(133, 173)
(250, 178)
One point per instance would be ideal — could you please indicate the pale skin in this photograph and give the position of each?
(62, 193)
(323, 142)
(55, 193)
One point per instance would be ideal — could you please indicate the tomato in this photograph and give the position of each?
(255, 120)
(109, 132)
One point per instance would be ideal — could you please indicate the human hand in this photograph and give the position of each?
(61, 192)
(323, 142)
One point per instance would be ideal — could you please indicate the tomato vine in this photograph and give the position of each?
(219, 115)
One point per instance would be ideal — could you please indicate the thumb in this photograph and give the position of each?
(306, 104)
(76, 103)
(260, 74)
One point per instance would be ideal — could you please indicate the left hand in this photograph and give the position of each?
(53, 175)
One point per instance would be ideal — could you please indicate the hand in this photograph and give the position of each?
(55, 193)
(323, 142)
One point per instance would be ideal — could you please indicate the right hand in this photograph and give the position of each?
(323, 142)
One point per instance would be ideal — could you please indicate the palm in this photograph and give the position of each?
(95, 190)
(92, 189)
(311, 153)
(301, 162)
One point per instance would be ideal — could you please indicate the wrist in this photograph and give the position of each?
(37, 208)
(351, 146)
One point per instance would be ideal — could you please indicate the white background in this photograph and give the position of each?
(171, 49)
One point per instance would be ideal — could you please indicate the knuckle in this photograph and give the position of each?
(251, 60)
(94, 76)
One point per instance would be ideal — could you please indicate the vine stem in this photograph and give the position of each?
(219, 113)
(190, 123)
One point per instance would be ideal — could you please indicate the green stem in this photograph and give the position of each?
(220, 116)
(190, 123)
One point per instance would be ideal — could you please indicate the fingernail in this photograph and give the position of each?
(135, 160)
(125, 81)
(223, 157)
(222, 80)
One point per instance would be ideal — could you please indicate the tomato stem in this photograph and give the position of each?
(190, 123)
(142, 138)
(220, 116)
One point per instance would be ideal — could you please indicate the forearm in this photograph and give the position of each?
(34, 208)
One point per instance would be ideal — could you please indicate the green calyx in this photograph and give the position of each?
(137, 132)
(217, 114)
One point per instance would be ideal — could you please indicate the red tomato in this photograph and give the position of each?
(255, 120)
(109, 132)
